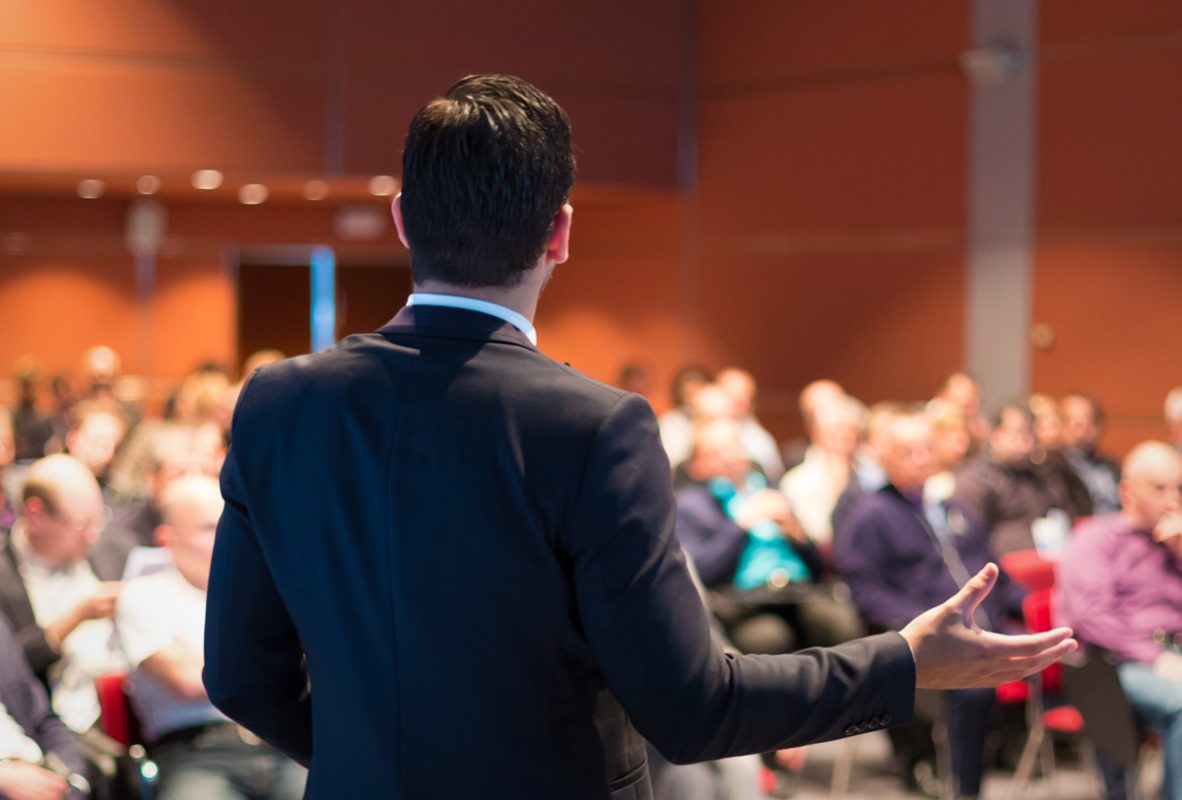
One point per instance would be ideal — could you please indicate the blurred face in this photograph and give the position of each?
(909, 460)
(1048, 428)
(1079, 423)
(64, 536)
(711, 402)
(836, 434)
(964, 393)
(189, 535)
(1153, 491)
(741, 388)
(95, 441)
(951, 442)
(1012, 441)
(719, 454)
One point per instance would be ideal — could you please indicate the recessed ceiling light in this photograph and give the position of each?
(383, 185)
(91, 188)
(147, 184)
(315, 190)
(252, 194)
(207, 179)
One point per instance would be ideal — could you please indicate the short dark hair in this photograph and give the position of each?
(484, 172)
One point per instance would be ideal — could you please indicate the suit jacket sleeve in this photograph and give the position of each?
(649, 630)
(254, 662)
(27, 702)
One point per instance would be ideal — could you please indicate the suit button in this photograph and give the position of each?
(886, 719)
(849, 730)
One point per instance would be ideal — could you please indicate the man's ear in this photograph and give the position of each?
(162, 535)
(558, 246)
(396, 212)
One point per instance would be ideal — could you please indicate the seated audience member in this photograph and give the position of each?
(951, 441)
(32, 430)
(94, 437)
(635, 377)
(760, 445)
(814, 396)
(1083, 425)
(39, 756)
(742, 537)
(7, 452)
(1173, 415)
(1048, 425)
(172, 451)
(102, 376)
(960, 390)
(868, 473)
(677, 424)
(58, 589)
(899, 552)
(1120, 586)
(1009, 496)
(814, 486)
(161, 622)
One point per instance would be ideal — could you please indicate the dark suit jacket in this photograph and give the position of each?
(106, 559)
(473, 545)
(25, 701)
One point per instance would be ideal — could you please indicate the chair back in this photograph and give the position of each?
(114, 714)
(1029, 569)
(1036, 610)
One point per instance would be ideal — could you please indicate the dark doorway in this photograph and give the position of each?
(274, 303)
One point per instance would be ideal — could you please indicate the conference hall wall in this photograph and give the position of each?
(777, 185)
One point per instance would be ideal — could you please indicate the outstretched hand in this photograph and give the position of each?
(952, 652)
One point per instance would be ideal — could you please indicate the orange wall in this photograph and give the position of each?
(830, 202)
(1108, 266)
(322, 86)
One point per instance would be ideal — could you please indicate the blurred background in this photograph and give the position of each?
(878, 193)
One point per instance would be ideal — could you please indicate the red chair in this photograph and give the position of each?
(1065, 719)
(1029, 569)
(114, 714)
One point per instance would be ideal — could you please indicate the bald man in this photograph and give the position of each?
(1120, 587)
(161, 622)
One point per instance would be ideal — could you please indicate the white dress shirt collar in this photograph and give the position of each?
(473, 304)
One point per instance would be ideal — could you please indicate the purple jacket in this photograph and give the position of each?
(893, 565)
(1116, 587)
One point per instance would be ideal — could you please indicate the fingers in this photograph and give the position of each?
(965, 601)
(1029, 644)
(1022, 667)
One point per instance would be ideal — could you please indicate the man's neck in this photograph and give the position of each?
(522, 298)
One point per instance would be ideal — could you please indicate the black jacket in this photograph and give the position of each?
(473, 546)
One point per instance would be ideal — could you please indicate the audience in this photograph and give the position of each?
(161, 622)
(1120, 587)
(677, 424)
(1173, 415)
(760, 445)
(896, 502)
(1083, 426)
(1002, 489)
(814, 486)
(901, 552)
(962, 391)
(743, 538)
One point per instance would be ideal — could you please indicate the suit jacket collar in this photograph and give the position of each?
(454, 323)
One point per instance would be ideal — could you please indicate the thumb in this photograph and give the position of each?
(965, 601)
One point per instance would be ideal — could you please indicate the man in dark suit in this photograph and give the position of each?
(439, 544)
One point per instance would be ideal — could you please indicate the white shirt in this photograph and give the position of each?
(14, 742)
(90, 650)
(153, 612)
(515, 319)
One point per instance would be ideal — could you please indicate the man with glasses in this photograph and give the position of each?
(58, 590)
